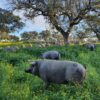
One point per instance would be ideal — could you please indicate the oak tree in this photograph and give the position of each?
(62, 14)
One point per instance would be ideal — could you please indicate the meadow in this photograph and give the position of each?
(15, 84)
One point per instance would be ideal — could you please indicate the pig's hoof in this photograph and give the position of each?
(46, 85)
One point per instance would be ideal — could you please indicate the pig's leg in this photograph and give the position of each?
(46, 82)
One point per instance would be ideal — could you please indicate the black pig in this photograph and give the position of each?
(57, 71)
(51, 55)
(90, 46)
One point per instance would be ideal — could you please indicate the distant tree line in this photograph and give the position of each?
(9, 23)
(44, 35)
(55, 37)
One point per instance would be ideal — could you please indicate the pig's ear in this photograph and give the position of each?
(41, 55)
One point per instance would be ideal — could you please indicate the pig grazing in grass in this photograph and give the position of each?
(90, 46)
(51, 55)
(11, 48)
(57, 71)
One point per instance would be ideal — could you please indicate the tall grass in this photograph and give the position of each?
(15, 84)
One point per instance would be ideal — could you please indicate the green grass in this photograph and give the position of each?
(15, 84)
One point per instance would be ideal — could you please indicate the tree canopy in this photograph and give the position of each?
(28, 36)
(61, 14)
(93, 20)
(9, 22)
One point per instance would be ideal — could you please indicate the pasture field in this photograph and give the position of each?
(15, 84)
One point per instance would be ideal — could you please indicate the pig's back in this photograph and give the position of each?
(55, 71)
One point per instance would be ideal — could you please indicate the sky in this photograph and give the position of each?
(38, 24)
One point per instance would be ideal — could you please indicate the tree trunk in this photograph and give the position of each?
(65, 36)
(61, 30)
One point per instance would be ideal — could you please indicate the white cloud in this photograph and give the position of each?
(4, 4)
(38, 24)
(1, 5)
